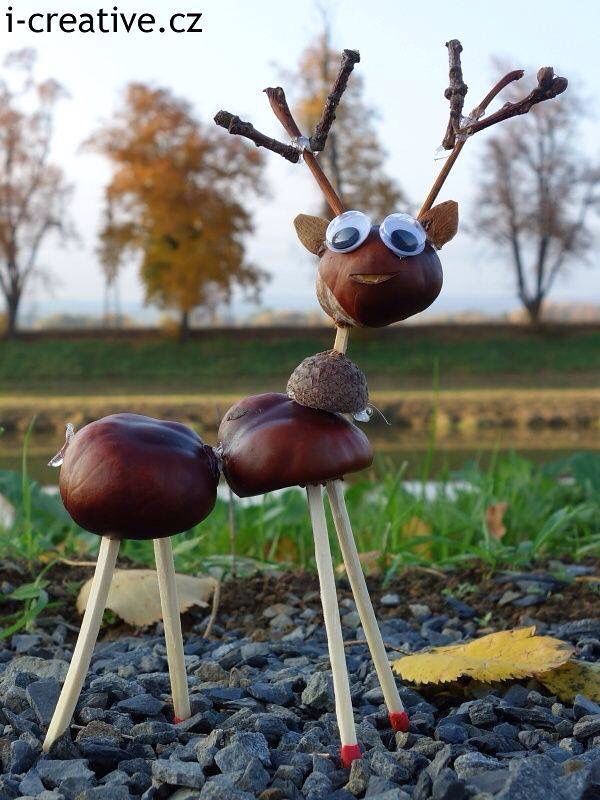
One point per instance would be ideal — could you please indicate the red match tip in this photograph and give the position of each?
(399, 721)
(177, 720)
(349, 753)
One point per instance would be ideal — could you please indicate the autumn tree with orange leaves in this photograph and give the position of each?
(180, 199)
(353, 158)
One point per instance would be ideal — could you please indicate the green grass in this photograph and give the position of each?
(553, 511)
(258, 360)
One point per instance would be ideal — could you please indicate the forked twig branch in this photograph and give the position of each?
(549, 86)
(455, 93)
(238, 127)
(279, 104)
(301, 144)
(318, 140)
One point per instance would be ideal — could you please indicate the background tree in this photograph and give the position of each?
(353, 158)
(180, 198)
(113, 243)
(535, 191)
(33, 192)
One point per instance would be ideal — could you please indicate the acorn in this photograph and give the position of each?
(329, 381)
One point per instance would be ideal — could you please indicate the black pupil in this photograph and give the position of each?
(345, 238)
(404, 240)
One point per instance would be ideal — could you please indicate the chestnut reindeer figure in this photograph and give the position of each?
(370, 275)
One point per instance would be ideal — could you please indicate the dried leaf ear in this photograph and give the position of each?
(311, 232)
(441, 222)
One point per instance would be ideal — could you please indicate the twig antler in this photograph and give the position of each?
(459, 128)
(349, 59)
(301, 144)
(238, 127)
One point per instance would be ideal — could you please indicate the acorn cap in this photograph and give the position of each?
(329, 381)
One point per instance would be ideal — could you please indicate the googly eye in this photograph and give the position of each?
(347, 232)
(403, 234)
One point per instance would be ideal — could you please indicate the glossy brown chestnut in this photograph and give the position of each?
(374, 287)
(128, 476)
(271, 442)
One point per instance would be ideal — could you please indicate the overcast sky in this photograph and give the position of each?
(243, 44)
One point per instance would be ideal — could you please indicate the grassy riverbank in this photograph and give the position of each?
(253, 360)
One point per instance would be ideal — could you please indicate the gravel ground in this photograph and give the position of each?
(263, 723)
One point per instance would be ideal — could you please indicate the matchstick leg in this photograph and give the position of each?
(350, 750)
(82, 654)
(169, 601)
(397, 714)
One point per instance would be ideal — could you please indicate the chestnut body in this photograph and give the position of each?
(271, 442)
(374, 287)
(128, 476)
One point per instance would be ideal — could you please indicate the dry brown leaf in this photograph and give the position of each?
(574, 677)
(494, 519)
(499, 656)
(134, 595)
(285, 551)
(372, 562)
(415, 527)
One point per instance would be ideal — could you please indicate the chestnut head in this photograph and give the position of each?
(270, 442)
(128, 476)
(374, 275)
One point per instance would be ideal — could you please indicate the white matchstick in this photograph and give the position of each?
(397, 714)
(82, 654)
(169, 601)
(350, 750)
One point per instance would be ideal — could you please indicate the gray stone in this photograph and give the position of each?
(242, 748)
(318, 693)
(447, 786)
(474, 763)
(423, 786)
(317, 786)
(583, 706)
(214, 791)
(351, 620)
(255, 778)
(104, 793)
(588, 725)
(451, 733)
(384, 764)
(358, 779)
(533, 778)
(278, 693)
(211, 671)
(482, 713)
(178, 773)
(31, 783)
(142, 705)
(40, 667)
(390, 600)
(43, 697)
(378, 785)
(52, 771)
(489, 782)
(17, 756)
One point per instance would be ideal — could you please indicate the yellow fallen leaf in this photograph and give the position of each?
(574, 677)
(494, 519)
(134, 595)
(496, 657)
